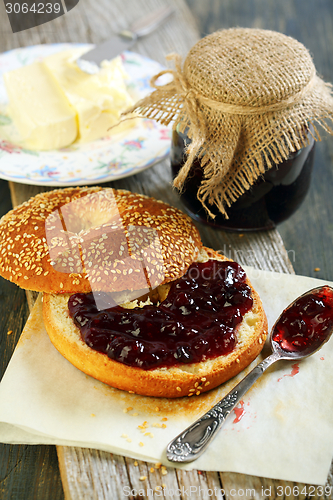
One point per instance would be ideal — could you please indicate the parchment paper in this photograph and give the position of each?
(283, 429)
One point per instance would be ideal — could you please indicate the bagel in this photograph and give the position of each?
(133, 251)
(184, 379)
(78, 239)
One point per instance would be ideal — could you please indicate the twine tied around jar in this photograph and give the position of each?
(246, 98)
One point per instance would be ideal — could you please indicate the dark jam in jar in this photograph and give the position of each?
(307, 323)
(271, 200)
(197, 320)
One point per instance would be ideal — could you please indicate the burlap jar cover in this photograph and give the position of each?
(246, 98)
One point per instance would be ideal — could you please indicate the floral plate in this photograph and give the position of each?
(113, 157)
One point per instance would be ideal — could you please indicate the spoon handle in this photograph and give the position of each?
(193, 441)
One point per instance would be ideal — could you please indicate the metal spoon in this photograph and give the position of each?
(194, 440)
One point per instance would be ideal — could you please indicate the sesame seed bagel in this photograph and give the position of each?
(176, 381)
(82, 239)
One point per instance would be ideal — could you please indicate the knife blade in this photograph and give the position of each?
(90, 61)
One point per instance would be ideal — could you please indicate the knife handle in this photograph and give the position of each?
(147, 24)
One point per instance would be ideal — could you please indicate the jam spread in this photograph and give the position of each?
(307, 323)
(196, 321)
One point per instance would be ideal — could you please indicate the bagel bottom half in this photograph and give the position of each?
(170, 382)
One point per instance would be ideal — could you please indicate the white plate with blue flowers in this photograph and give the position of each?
(107, 159)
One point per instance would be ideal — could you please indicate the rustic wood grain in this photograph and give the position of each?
(31, 472)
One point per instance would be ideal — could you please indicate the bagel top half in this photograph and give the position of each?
(101, 239)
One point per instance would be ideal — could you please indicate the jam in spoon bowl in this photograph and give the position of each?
(301, 330)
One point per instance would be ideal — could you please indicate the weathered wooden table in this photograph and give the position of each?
(32, 472)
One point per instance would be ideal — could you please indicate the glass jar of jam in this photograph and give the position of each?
(271, 200)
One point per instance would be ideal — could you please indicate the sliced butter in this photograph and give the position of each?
(39, 108)
(98, 99)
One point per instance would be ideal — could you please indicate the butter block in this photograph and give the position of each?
(98, 99)
(39, 108)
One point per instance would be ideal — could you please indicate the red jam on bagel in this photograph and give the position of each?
(196, 321)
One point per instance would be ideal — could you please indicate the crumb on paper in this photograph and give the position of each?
(129, 440)
(93, 415)
(141, 443)
(164, 419)
(124, 436)
(135, 414)
(129, 408)
(144, 425)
